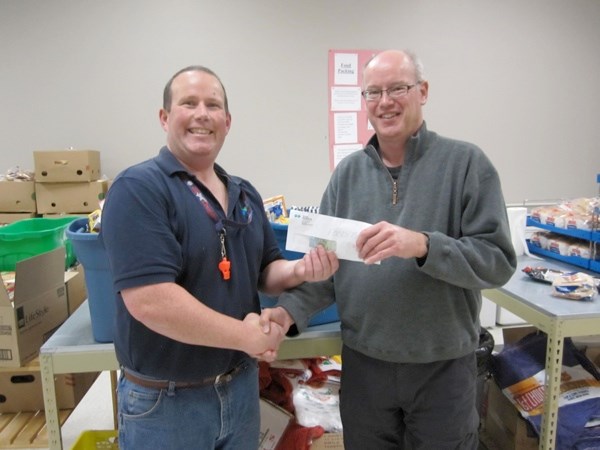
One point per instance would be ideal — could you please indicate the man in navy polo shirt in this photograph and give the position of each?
(189, 246)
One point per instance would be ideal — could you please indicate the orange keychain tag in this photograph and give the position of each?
(225, 268)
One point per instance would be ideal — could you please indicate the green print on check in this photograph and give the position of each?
(326, 243)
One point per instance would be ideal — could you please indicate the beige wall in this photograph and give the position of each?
(519, 78)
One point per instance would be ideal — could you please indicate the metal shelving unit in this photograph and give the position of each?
(558, 318)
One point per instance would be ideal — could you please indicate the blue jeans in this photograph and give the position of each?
(221, 416)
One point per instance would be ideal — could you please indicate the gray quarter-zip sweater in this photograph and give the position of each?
(405, 310)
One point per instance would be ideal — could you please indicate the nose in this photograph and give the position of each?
(385, 97)
(201, 110)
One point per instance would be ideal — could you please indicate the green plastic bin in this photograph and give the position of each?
(29, 237)
(97, 440)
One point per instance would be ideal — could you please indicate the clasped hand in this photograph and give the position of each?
(316, 265)
(384, 240)
(262, 339)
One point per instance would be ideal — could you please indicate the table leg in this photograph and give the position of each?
(50, 405)
(554, 357)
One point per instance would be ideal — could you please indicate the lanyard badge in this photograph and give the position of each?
(224, 265)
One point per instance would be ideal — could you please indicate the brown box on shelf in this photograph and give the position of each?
(503, 424)
(56, 198)
(38, 308)
(66, 165)
(17, 196)
(21, 388)
(6, 218)
(76, 289)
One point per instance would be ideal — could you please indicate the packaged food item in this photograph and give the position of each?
(579, 222)
(580, 249)
(574, 286)
(579, 213)
(542, 274)
(559, 244)
(550, 215)
(540, 239)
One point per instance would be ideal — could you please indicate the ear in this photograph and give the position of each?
(228, 122)
(424, 91)
(163, 116)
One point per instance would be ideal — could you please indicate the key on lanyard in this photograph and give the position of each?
(225, 264)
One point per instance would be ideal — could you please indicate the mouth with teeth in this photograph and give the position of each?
(199, 131)
(389, 116)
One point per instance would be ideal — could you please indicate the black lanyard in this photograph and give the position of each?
(224, 265)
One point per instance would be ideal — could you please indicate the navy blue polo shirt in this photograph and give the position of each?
(155, 230)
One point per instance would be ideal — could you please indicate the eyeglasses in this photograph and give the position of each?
(374, 95)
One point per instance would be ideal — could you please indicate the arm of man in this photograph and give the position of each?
(316, 265)
(170, 310)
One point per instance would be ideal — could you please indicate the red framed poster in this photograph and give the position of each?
(349, 128)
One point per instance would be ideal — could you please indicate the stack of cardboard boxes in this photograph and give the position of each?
(32, 306)
(64, 182)
(68, 181)
(39, 296)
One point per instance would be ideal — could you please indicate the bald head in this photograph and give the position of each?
(404, 59)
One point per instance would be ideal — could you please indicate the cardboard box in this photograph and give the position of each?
(57, 198)
(273, 422)
(6, 218)
(66, 165)
(21, 388)
(39, 307)
(76, 289)
(329, 441)
(17, 196)
(503, 424)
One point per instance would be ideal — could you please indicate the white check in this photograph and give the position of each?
(307, 230)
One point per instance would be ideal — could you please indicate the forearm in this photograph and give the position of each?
(316, 265)
(170, 310)
(279, 276)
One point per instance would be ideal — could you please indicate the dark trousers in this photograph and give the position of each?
(428, 406)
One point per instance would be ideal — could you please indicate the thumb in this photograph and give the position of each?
(264, 323)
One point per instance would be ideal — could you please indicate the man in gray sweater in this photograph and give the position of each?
(440, 234)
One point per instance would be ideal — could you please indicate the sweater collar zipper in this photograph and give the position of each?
(394, 191)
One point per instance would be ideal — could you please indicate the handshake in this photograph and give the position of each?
(273, 324)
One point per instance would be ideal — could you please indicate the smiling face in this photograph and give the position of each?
(394, 119)
(196, 121)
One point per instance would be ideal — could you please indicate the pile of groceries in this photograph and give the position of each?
(569, 285)
(576, 214)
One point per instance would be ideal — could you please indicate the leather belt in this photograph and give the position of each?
(163, 384)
